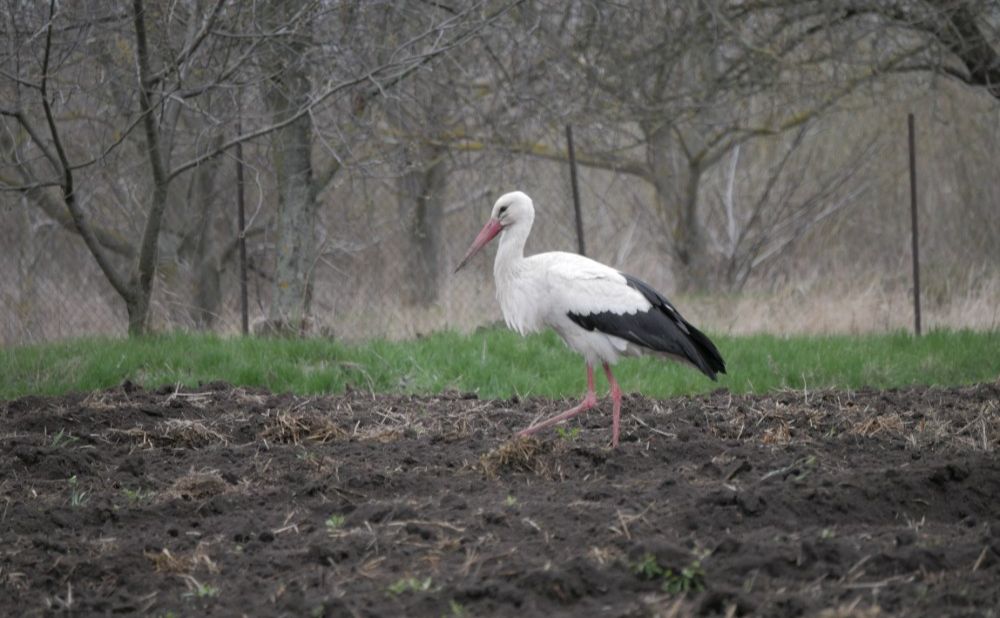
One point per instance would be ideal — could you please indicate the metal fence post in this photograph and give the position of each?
(913, 221)
(576, 190)
(241, 224)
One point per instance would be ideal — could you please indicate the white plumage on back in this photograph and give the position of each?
(549, 287)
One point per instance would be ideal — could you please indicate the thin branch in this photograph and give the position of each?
(191, 48)
(543, 151)
(412, 64)
(33, 134)
(69, 196)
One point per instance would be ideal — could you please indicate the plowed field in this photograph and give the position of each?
(229, 501)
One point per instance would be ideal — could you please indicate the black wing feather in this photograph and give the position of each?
(661, 328)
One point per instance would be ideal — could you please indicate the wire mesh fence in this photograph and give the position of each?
(374, 276)
(364, 283)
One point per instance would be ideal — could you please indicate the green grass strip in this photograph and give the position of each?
(492, 363)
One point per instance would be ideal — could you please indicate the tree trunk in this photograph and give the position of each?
(676, 179)
(421, 198)
(143, 277)
(138, 313)
(296, 237)
(287, 92)
(200, 246)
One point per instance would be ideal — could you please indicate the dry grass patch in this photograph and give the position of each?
(182, 563)
(291, 426)
(383, 436)
(188, 433)
(891, 424)
(517, 455)
(135, 435)
(779, 434)
(103, 401)
(175, 432)
(982, 432)
(197, 486)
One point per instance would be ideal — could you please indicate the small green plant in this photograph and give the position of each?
(136, 496)
(62, 439)
(410, 584)
(568, 433)
(648, 567)
(510, 501)
(77, 496)
(334, 523)
(457, 609)
(690, 579)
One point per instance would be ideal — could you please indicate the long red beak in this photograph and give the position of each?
(488, 233)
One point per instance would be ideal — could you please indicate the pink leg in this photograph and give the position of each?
(588, 402)
(616, 398)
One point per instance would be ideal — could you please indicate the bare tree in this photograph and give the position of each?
(374, 51)
(759, 211)
(178, 114)
(684, 95)
(140, 100)
(689, 84)
(287, 91)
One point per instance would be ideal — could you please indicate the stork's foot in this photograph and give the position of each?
(588, 402)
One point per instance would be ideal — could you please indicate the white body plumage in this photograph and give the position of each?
(598, 311)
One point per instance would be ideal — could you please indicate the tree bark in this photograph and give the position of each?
(206, 287)
(676, 178)
(421, 198)
(142, 279)
(286, 94)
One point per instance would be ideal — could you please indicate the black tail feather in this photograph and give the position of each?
(660, 329)
(711, 361)
(697, 347)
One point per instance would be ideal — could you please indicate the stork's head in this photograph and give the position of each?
(512, 209)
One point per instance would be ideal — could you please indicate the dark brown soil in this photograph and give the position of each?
(228, 501)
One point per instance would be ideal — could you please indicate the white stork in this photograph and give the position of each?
(598, 311)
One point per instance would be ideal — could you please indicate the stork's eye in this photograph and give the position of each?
(502, 210)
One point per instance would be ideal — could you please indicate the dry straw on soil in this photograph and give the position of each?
(196, 486)
(529, 455)
(165, 561)
(301, 424)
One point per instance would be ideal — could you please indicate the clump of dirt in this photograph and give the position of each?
(229, 501)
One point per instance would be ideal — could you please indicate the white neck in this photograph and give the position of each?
(510, 253)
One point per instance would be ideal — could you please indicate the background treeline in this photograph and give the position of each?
(749, 156)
